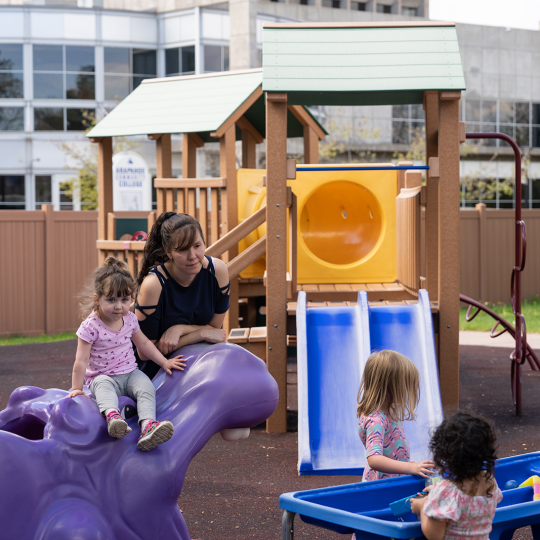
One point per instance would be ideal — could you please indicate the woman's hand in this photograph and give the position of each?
(422, 468)
(168, 342)
(77, 392)
(213, 335)
(174, 363)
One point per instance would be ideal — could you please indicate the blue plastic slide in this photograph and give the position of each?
(334, 344)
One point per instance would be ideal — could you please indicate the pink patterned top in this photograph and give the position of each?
(382, 437)
(466, 517)
(111, 352)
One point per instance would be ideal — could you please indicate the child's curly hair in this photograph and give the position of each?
(465, 446)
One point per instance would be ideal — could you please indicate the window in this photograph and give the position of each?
(43, 191)
(63, 72)
(384, 9)
(59, 119)
(358, 6)
(336, 4)
(125, 69)
(407, 123)
(11, 70)
(12, 193)
(180, 61)
(216, 58)
(11, 119)
(66, 196)
(409, 11)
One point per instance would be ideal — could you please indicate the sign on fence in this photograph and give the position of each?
(132, 183)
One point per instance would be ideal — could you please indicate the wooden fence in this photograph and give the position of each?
(46, 255)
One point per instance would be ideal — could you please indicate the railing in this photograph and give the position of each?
(182, 194)
(520, 354)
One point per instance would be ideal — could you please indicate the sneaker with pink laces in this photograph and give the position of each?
(154, 433)
(116, 425)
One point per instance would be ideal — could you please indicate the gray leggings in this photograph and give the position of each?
(136, 385)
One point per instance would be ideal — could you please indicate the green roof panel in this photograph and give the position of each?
(360, 65)
(199, 104)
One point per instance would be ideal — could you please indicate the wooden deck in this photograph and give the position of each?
(338, 292)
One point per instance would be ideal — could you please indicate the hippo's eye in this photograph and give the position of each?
(128, 411)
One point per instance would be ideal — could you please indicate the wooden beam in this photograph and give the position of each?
(247, 258)
(189, 157)
(449, 225)
(197, 139)
(276, 253)
(171, 183)
(105, 185)
(111, 226)
(301, 114)
(244, 124)
(238, 233)
(311, 146)
(231, 121)
(401, 174)
(229, 212)
(452, 95)
(431, 108)
(249, 151)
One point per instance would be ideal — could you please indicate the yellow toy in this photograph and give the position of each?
(530, 481)
(346, 224)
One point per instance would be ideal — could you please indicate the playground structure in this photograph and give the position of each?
(427, 50)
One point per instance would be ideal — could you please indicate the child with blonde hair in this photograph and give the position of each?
(105, 358)
(463, 504)
(389, 394)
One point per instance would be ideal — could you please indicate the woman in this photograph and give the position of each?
(183, 294)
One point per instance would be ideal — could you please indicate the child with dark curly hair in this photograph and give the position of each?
(463, 504)
(388, 395)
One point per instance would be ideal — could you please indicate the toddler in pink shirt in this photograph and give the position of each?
(105, 358)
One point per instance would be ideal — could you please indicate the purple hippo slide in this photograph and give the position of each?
(62, 477)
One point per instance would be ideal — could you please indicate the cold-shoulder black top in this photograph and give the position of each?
(195, 304)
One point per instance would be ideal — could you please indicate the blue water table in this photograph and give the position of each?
(364, 508)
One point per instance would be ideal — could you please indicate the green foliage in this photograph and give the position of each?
(85, 160)
(483, 322)
(19, 340)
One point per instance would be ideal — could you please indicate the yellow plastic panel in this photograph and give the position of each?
(346, 225)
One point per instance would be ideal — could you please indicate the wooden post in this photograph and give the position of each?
(482, 252)
(311, 145)
(163, 166)
(249, 158)
(276, 252)
(105, 185)
(229, 213)
(51, 295)
(401, 174)
(449, 239)
(189, 157)
(431, 108)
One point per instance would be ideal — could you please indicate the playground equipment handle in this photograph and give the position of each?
(520, 353)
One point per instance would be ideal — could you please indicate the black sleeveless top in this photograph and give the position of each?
(195, 304)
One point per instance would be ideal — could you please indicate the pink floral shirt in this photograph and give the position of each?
(111, 352)
(466, 517)
(382, 437)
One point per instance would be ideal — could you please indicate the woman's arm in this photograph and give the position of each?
(181, 335)
(149, 350)
(79, 369)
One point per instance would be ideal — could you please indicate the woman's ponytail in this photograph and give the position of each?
(154, 251)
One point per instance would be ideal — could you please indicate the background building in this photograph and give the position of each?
(63, 61)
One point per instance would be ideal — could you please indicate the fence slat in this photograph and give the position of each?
(214, 216)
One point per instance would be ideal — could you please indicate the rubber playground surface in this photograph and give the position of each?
(231, 489)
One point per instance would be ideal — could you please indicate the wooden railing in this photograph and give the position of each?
(182, 194)
(409, 233)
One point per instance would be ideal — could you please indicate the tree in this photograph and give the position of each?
(85, 160)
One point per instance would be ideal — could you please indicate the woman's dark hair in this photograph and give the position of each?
(464, 446)
(170, 231)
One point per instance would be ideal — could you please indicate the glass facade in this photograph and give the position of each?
(12, 196)
(63, 72)
(180, 61)
(11, 71)
(216, 58)
(125, 69)
(60, 119)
